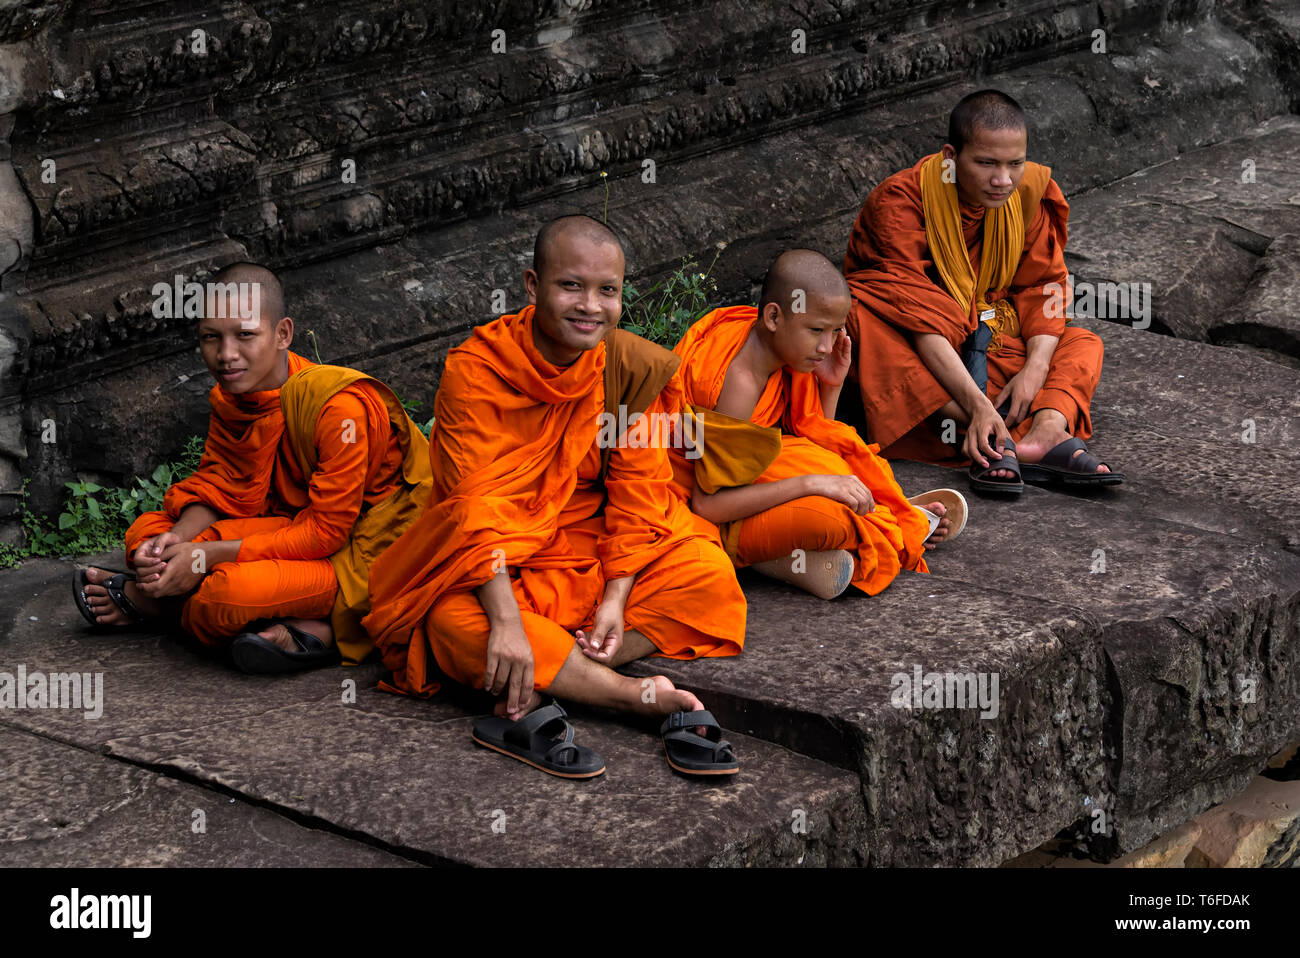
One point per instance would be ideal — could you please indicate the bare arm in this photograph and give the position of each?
(741, 502)
(509, 665)
(983, 420)
(946, 366)
(830, 397)
(727, 505)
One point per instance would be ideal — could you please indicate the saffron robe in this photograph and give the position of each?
(314, 478)
(519, 485)
(789, 435)
(898, 293)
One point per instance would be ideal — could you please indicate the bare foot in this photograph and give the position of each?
(277, 633)
(105, 611)
(941, 530)
(658, 696)
(1047, 432)
(500, 710)
(1004, 473)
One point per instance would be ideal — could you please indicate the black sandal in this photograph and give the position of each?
(258, 656)
(1061, 466)
(980, 482)
(542, 739)
(693, 754)
(115, 586)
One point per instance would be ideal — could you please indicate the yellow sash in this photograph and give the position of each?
(735, 453)
(302, 398)
(1004, 241)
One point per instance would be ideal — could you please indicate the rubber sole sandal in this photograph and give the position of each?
(258, 656)
(115, 586)
(980, 482)
(953, 501)
(1062, 467)
(693, 754)
(543, 739)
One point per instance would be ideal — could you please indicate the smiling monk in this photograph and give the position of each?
(797, 495)
(958, 277)
(546, 557)
(308, 472)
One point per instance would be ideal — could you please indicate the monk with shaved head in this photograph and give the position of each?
(308, 472)
(796, 494)
(553, 549)
(964, 355)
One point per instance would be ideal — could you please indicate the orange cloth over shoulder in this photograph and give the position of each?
(898, 293)
(890, 538)
(516, 474)
(382, 497)
(509, 433)
(239, 456)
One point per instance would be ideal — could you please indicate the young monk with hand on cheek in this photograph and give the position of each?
(796, 494)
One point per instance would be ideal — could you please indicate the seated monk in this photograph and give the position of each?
(959, 285)
(308, 472)
(548, 557)
(797, 495)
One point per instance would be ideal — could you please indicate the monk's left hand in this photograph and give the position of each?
(835, 368)
(185, 566)
(606, 633)
(1022, 388)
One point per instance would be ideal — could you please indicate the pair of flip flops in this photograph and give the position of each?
(1061, 466)
(115, 586)
(259, 656)
(544, 740)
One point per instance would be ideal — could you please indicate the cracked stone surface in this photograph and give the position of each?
(400, 772)
(69, 807)
(1212, 231)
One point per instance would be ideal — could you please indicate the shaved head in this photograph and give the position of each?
(270, 293)
(801, 269)
(576, 226)
(986, 109)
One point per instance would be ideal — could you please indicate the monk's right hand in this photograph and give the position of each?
(184, 564)
(149, 562)
(850, 490)
(986, 436)
(510, 666)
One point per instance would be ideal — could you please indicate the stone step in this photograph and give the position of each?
(67, 807)
(1189, 639)
(1257, 828)
(1213, 233)
(404, 773)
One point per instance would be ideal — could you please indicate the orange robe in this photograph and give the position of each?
(898, 293)
(884, 541)
(295, 518)
(518, 486)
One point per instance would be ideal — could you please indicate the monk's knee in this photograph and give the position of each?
(1085, 341)
(824, 526)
